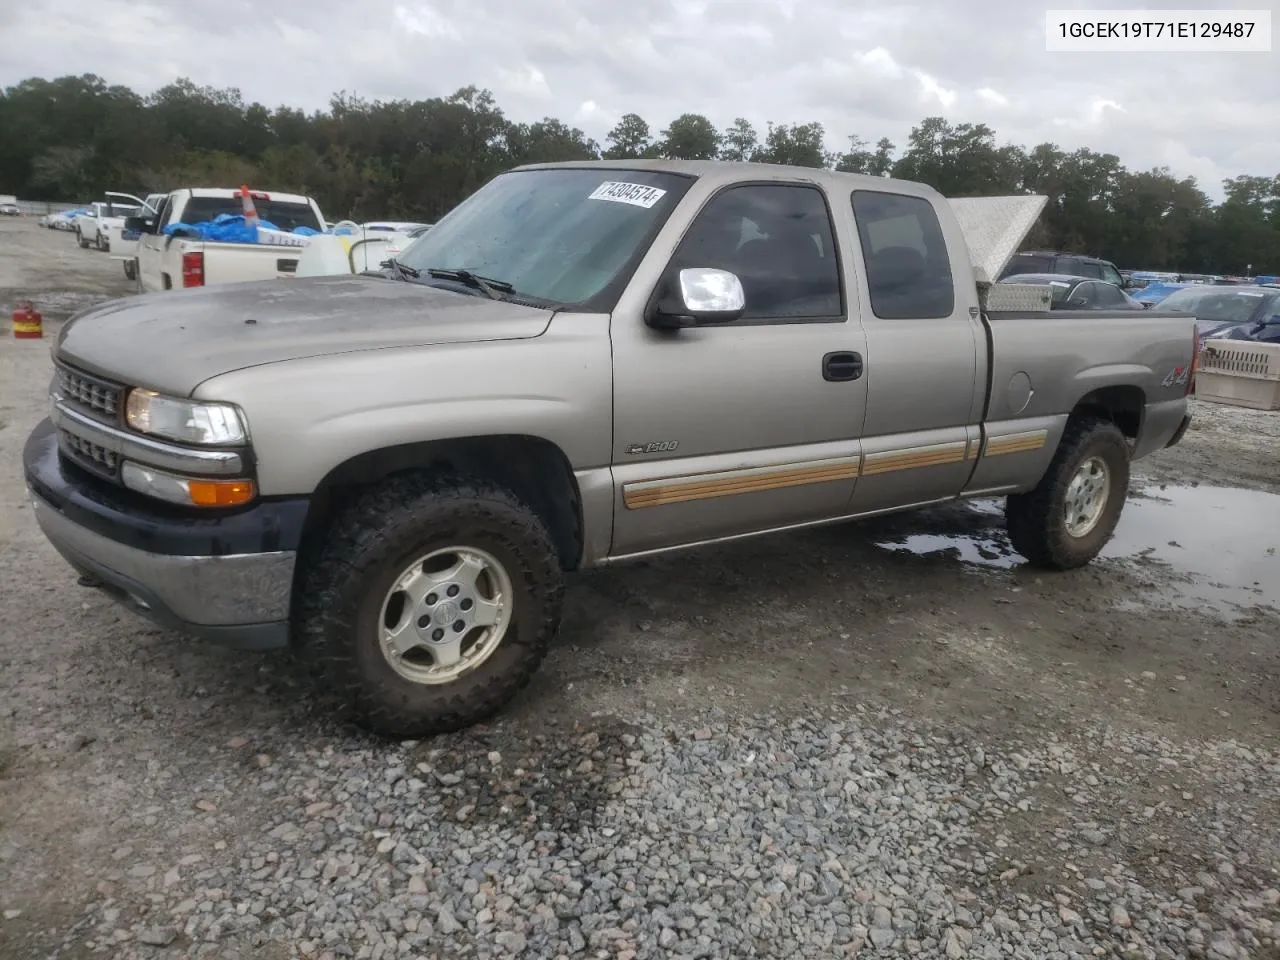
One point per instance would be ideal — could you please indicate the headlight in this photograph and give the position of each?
(187, 421)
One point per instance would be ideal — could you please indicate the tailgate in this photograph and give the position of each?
(245, 262)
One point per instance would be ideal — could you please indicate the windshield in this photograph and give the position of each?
(1224, 306)
(563, 235)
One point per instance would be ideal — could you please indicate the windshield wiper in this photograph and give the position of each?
(401, 271)
(493, 289)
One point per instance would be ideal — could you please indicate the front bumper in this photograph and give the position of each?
(226, 578)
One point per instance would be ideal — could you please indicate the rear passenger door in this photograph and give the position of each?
(926, 353)
(736, 428)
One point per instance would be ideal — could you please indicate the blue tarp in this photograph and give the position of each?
(228, 228)
(224, 228)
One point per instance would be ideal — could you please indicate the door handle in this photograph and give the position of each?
(842, 365)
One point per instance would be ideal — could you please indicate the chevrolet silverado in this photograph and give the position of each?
(581, 364)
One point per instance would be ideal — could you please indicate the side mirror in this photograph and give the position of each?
(1078, 303)
(702, 295)
(138, 224)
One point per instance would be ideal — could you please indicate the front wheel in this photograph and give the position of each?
(84, 244)
(430, 604)
(1071, 514)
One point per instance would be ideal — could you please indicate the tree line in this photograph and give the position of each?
(71, 138)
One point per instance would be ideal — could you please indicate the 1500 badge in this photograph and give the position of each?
(655, 446)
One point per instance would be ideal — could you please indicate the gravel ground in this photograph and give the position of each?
(876, 740)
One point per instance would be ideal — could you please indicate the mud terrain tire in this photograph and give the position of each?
(346, 584)
(1093, 452)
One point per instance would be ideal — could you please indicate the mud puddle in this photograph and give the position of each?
(1210, 547)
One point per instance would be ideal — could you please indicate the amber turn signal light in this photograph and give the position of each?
(220, 493)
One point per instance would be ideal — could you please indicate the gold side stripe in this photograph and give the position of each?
(656, 493)
(894, 460)
(1016, 443)
(649, 495)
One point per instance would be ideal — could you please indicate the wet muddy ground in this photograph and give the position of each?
(1207, 548)
(114, 732)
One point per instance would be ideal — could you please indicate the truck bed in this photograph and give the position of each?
(1040, 364)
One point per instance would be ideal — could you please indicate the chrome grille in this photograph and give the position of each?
(89, 393)
(90, 455)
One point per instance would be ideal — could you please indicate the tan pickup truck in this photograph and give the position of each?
(581, 364)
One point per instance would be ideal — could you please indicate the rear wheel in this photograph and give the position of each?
(1071, 514)
(430, 604)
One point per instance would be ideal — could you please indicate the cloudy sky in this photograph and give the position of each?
(856, 66)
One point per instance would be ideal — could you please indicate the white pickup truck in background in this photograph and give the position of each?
(92, 227)
(167, 261)
(121, 242)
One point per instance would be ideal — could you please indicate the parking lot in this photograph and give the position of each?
(873, 739)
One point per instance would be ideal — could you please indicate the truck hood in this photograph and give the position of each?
(175, 340)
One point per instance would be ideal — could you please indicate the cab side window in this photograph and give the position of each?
(1084, 296)
(907, 264)
(1108, 295)
(778, 240)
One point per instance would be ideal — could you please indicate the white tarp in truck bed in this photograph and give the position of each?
(994, 228)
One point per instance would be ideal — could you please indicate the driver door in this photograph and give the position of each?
(735, 428)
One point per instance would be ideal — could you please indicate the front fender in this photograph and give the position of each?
(308, 416)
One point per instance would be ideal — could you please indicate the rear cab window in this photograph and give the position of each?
(1080, 267)
(285, 215)
(1027, 263)
(907, 264)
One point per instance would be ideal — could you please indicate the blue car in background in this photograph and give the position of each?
(1155, 291)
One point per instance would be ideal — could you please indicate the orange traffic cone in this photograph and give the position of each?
(246, 203)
